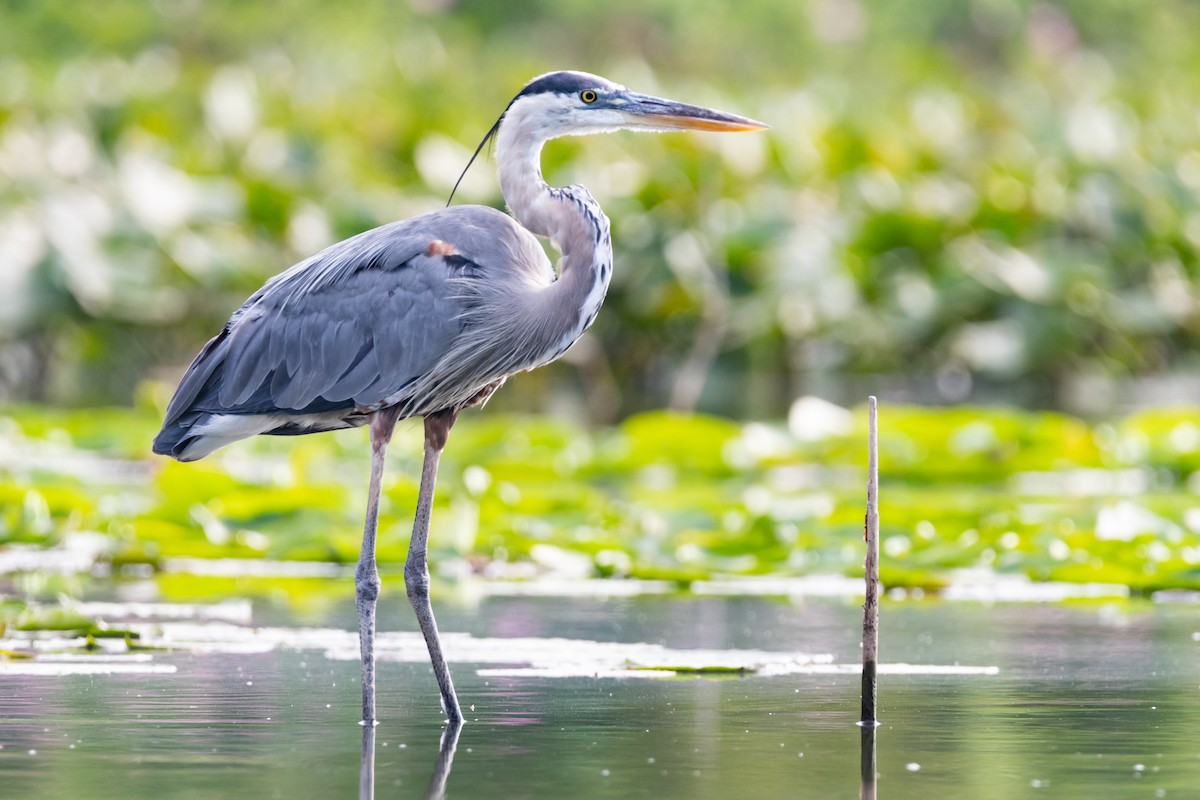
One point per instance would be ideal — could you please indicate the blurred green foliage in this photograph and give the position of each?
(958, 199)
(663, 495)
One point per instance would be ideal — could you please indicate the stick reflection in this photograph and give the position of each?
(867, 762)
(441, 767)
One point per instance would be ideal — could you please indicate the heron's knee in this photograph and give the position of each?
(416, 582)
(367, 585)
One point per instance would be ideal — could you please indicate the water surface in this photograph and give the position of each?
(1097, 700)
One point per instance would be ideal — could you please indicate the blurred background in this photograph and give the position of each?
(979, 201)
(987, 213)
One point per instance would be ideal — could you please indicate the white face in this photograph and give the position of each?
(551, 114)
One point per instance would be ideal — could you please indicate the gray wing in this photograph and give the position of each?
(355, 324)
(353, 342)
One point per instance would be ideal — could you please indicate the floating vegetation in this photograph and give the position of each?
(670, 502)
(682, 669)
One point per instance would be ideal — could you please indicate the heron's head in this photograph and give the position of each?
(575, 103)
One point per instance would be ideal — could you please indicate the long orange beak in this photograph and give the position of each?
(655, 113)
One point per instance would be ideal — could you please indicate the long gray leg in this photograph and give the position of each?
(416, 569)
(366, 577)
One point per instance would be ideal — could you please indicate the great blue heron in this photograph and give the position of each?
(424, 317)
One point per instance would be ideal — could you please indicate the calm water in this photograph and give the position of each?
(1099, 701)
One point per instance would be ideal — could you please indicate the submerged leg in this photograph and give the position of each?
(366, 577)
(416, 570)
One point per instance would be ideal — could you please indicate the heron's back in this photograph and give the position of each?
(381, 319)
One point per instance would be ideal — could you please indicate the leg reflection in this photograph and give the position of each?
(366, 765)
(445, 759)
(441, 767)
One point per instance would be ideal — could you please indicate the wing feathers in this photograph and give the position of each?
(246, 363)
(354, 326)
(358, 376)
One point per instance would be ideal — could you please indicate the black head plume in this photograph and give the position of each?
(487, 138)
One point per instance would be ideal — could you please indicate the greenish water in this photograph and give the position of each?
(1090, 701)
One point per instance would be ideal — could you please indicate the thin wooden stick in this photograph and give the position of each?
(870, 640)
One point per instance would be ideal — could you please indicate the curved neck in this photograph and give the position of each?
(519, 163)
(545, 210)
(569, 217)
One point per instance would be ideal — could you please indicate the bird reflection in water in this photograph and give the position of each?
(441, 767)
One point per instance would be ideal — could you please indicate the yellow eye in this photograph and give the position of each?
(587, 96)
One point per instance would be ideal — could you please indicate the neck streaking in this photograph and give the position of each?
(570, 218)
